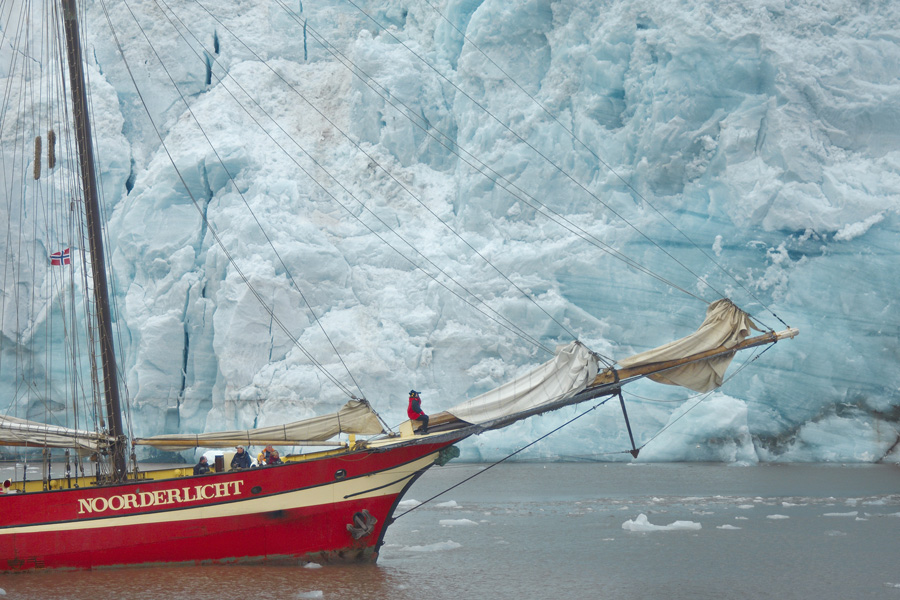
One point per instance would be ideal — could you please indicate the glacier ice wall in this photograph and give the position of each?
(359, 166)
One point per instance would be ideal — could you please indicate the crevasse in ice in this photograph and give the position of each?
(767, 133)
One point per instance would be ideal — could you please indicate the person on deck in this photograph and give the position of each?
(202, 467)
(274, 458)
(241, 459)
(415, 413)
(262, 459)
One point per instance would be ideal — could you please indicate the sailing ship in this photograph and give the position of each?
(331, 504)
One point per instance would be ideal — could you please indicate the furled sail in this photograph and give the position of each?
(20, 432)
(557, 382)
(354, 417)
(569, 372)
(725, 326)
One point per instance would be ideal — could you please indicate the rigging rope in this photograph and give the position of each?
(246, 203)
(111, 273)
(634, 451)
(505, 458)
(403, 187)
(705, 396)
(211, 230)
(481, 167)
(326, 45)
(509, 325)
(567, 175)
(520, 139)
(608, 167)
(38, 204)
(509, 184)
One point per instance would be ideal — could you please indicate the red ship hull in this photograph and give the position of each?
(330, 509)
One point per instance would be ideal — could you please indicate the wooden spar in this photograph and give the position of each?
(611, 375)
(95, 238)
(230, 443)
(609, 382)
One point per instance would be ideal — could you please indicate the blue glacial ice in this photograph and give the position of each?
(749, 150)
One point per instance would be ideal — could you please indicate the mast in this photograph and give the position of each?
(95, 233)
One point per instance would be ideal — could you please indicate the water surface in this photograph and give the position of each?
(523, 531)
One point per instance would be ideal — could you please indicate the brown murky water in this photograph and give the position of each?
(525, 531)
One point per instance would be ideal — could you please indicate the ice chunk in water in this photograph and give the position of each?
(642, 524)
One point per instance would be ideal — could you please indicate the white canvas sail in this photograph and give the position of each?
(354, 417)
(725, 326)
(574, 368)
(21, 432)
(569, 372)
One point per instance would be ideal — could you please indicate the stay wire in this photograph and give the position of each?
(550, 162)
(115, 314)
(609, 167)
(212, 231)
(30, 51)
(481, 168)
(117, 322)
(93, 408)
(11, 269)
(705, 396)
(68, 183)
(400, 185)
(244, 198)
(509, 325)
(525, 294)
(512, 327)
(505, 458)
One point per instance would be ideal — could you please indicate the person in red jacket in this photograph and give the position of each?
(414, 411)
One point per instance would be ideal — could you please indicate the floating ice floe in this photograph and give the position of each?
(448, 504)
(642, 524)
(312, 565)
(436, 547)
(408, 503)
(312, 594)
(726, 526)
(846, 514)
(777, 517)
(877, 502)
(455, 522)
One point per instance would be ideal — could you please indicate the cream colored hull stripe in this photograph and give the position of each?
(321, 495)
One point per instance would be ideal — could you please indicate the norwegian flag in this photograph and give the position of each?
(61, 258)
